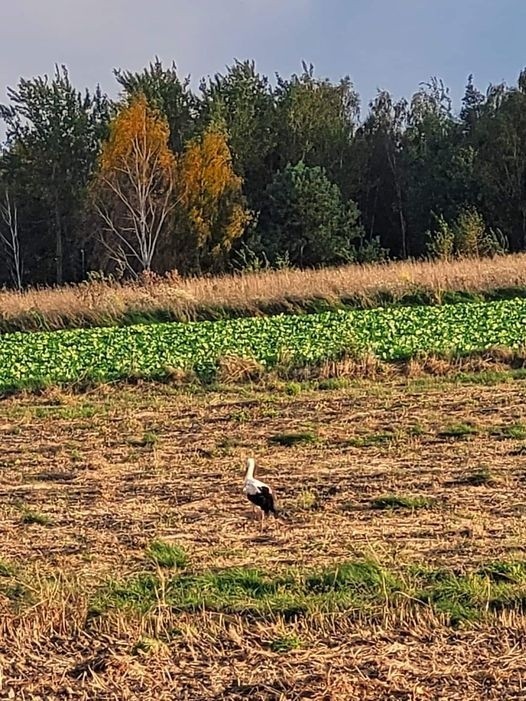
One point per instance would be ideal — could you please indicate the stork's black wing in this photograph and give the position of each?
(264, 499)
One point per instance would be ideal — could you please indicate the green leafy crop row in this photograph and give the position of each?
(148, 350)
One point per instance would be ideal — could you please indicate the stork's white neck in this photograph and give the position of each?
(251, 466)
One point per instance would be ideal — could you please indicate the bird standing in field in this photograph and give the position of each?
(258, 493)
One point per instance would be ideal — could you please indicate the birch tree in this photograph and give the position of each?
(10, 239)
(134, 187)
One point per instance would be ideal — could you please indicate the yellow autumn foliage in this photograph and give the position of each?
(211, 196)
(133, 190)
(138, 137)
(184, 212)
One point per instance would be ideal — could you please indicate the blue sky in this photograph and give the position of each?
(391, 44)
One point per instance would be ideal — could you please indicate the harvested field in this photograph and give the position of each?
(418, 481)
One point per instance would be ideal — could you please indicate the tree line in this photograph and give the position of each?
(244, 173)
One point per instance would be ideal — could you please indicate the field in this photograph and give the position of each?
(130, 567)
(103, 303)
(286, 343)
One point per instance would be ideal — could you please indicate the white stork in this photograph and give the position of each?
(258, 493)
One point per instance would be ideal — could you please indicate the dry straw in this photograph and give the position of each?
(101, 303)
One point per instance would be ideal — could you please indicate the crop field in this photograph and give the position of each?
(156, 350)
(130, 566)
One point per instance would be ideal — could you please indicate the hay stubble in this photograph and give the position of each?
(106, 496)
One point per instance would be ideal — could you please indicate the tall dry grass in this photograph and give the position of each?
(102, 303)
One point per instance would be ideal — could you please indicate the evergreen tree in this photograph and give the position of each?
(305, 220)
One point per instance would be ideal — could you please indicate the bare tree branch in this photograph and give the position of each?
(10, 239)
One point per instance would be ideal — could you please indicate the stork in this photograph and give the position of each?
(258, 493)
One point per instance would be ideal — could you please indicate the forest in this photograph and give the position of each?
(249, 172)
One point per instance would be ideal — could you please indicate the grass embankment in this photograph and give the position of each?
(264, 293)
(130, 567)
(284, 343)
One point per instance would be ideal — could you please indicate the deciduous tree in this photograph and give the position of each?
(380, 175)
(242, 101)
(169, 94)
(498, 137)
(317, 120)
(212, 208)
(53, 137)
(134, 187)
(438, 161)
(10, 238)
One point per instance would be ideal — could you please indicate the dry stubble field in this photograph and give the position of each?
(87, 482)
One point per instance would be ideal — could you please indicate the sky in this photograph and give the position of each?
(380, 44)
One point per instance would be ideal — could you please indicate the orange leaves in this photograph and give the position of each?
(138, 133)
(211, 193)
(161, 209)
(207, 165)
(134, 188)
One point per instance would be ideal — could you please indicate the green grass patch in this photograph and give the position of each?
(469, 596)
(293, 388)
(361, 588)
(395, 501)
(290, 439)
(515, 430)
(139, 592)
(372, 439)
(333, 383)
(459, 430)
(285, 643)
(366, 578)
(167, 555)
(30, 517)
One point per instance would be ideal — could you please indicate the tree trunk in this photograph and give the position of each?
(403, 227)
(391, 158)
(373, 218)
(59, 253)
